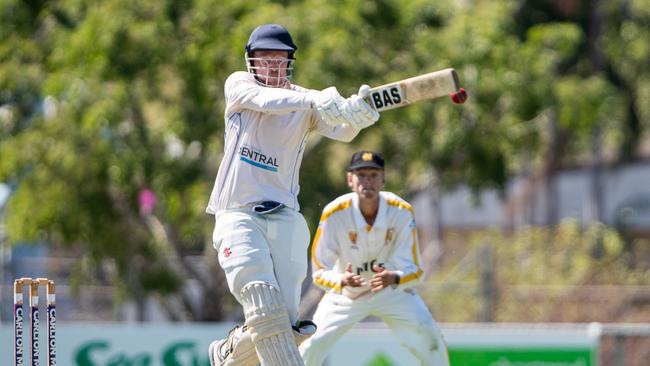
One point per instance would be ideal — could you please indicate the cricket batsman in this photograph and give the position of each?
(259, 234)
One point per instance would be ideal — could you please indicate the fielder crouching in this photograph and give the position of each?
(365, 255)
(260, 236)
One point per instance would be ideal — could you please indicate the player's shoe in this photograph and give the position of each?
(217, 352)
(303, 330)
(238, 348)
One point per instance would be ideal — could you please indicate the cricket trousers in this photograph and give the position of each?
(269, 247)
(403, 311)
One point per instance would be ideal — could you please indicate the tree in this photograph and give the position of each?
(104, 102)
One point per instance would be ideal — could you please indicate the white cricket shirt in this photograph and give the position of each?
(343, 236)
(265, 137)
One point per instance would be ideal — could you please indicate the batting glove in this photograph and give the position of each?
(359, 113)
(459, 97)
(328, 103)
(364, 91)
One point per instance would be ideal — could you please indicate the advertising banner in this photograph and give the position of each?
(478, 345)
(369, 344)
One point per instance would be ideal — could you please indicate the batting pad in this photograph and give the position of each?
(268, 321)
(239, 349)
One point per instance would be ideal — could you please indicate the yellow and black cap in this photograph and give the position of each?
(366, 159)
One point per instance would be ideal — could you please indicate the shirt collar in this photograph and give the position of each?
(360, 221)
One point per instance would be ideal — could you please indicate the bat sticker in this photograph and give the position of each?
(387, 97)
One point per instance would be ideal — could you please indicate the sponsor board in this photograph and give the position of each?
(369, 344)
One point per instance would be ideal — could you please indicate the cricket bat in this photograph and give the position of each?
(423, 87)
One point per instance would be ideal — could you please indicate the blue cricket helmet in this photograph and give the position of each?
(271, 37)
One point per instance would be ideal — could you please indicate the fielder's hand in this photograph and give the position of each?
(382, 278)
(350, 279)
(329, 103)
(459, 97)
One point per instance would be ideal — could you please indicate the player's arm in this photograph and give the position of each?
(324, 255)
(243, 92)
(405, 260)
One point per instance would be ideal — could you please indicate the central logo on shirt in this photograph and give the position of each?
(255, 158)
